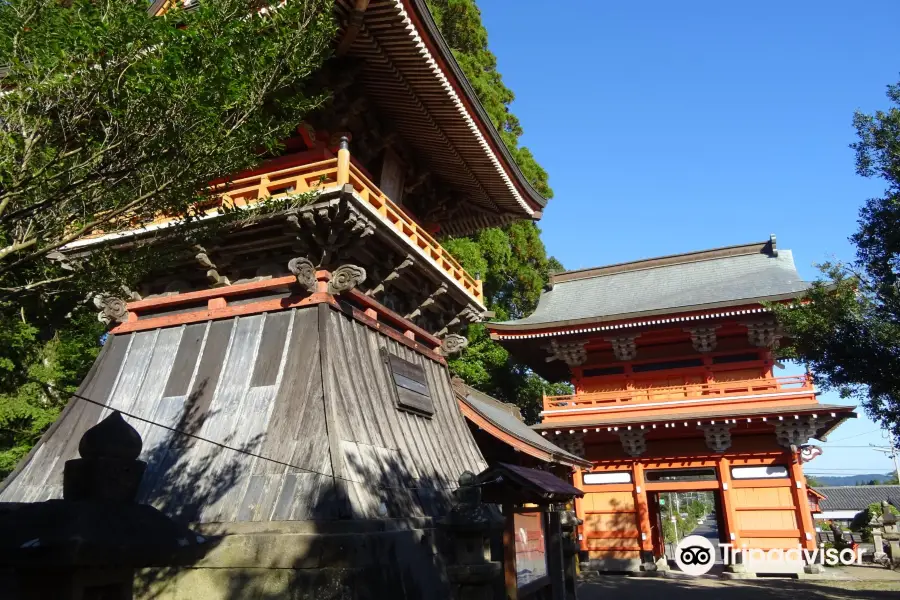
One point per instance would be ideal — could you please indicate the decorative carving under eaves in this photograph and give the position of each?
(795, 432)
(212, 272)
(470, 314)
(633, 441)
(703, 338)
(624, 347)
(345, 278)
(305, 272)
(718, 436)
(453, 343)
(763, 334)
(112, 309)
(329, 231)
(440, 291)
(571, 353)
(573, 443)
(395, 273)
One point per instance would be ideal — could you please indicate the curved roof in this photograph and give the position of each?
(729, 276)
(499, 415)
(857, 497)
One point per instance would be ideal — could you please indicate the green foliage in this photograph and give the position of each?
(112, 117)
(860, 522)
(460, 24)
(514, 266)
(512, 260)
(686, 513)
(849, 331)
(109, 118)
(27, 408)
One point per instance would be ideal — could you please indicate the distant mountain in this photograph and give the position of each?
(851, 479)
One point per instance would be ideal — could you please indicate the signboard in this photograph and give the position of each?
(531, 559)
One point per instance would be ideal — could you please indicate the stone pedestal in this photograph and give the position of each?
(468, 528)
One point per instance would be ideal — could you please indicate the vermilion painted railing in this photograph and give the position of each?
(638, 396)
(327, 175)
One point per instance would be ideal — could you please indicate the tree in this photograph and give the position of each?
(110, 117)
(847, 328)
(516, 268)
(460, 24)
(512, 259)
(860, 522)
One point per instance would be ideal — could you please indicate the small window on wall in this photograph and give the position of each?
(599, 372)
(607, 478)
(763, 472)
(701, 474)
(410, 385)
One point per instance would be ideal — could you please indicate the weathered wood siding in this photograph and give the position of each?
(303, 395)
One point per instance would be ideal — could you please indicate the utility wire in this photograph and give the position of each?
(232, 448)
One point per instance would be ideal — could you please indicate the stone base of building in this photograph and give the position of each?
(399, 563)
(615, 565)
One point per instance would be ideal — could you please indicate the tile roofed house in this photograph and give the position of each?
(844, 502)
(716, 278)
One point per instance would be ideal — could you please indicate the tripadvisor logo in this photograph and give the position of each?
(695, 555)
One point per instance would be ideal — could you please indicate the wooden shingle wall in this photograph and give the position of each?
(301, 405)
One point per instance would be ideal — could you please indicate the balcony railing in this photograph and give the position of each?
(634, 398)
(330, 175)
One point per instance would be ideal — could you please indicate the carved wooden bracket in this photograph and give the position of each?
(571, 353)
(329, 230)
(624, 347)
(407, 262)
(470, 314)
(718, 436)
(305, 272)
(795, 432)
(764, 334)
(703, 338)
(212, 272)
(633, 441)
(112, 309)
(345, 278)
(427, 301)
(573, 443)
(453, 343)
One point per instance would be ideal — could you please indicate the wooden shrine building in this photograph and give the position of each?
(288, 376)
(673, 363)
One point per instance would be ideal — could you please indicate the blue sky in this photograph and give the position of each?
(676, 126)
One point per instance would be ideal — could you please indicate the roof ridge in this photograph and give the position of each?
(767, 247)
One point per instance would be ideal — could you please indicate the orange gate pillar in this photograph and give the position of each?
(730, 515)
(641, 509)
(801, 503)
(578, 481)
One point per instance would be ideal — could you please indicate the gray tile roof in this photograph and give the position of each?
(669, 287)
(857, 497)
(502, 418)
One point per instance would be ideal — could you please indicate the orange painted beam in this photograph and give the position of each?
(606, 487)
(681, 486)
(640, 503)
(613, 535)
(239, 289)
(761, 483)
(770, 533)
(208, 314)
(724, 470)
(618, 511)
(578, 481)
(801, 503)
